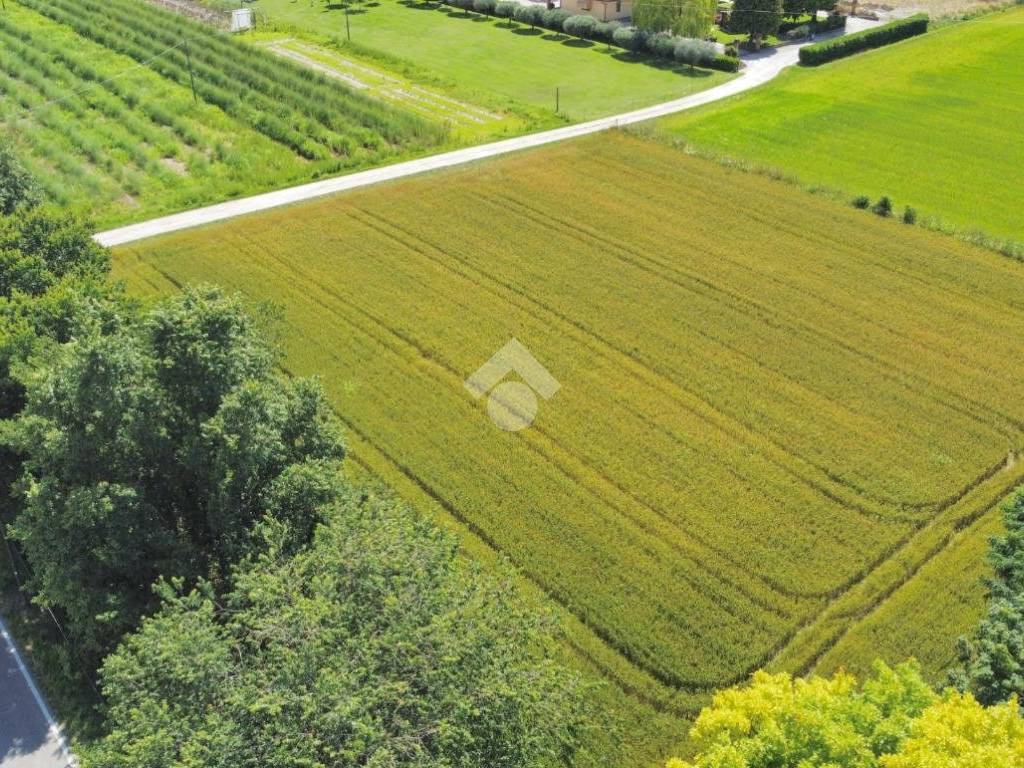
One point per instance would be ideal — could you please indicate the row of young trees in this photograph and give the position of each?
(184, 516)
(695, 18)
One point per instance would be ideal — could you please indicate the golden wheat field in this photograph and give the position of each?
(775, 412)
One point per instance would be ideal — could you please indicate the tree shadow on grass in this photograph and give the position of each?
(664, 65)
(527, 32)
(554, 36)
(576, 42)
(418, 5)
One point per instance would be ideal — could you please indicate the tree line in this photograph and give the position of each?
(184, 514)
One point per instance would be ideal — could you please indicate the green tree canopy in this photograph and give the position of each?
(992, 660)
(375, 646)
(757, 18)
(152, 447)
(958, 732)
(688, 18)
(17, 186)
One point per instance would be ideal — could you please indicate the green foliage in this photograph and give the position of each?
(506, 9)
(992, 661)
(376, 646)
(958, 732)
(780, 721)
(883, 207)
(629, 38)
(757, 18)
(39, 247)
(555, 18)
(152, 449)
(892, 720)
(485, 7)
(655, 16)
(17, 186)
(694, 52)
(690, 19)
(909, 215)
(580, 25)
(528, 14)
(875, 37)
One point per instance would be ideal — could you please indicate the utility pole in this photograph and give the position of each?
(348, 27)
(558, 99)
(191, 74)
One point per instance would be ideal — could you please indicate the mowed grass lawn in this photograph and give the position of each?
(934, 122)
(481, 56)
(774, 409)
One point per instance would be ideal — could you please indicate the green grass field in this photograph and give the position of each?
(776, 411)
(933, 122)
(481, 57)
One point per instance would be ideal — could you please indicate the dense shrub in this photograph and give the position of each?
(580, 25)
(629, 38)
(605, 31)
(661, 45)
(909, 215)
(528, 14)
(862, 202)
(723, 63)
(465, 5)
(484, 6)
(506, 9)
(693, 52)
(819, 53)
(17, 186)
(555, 18)
(883, 207)
(798, 33)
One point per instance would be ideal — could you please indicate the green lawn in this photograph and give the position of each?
(934, 122)
(482, 56)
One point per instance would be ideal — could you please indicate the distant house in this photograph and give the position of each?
(602, 10)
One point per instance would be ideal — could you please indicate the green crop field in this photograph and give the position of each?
(481, 56)
(97, 99)
(775, 411)
(934, 122)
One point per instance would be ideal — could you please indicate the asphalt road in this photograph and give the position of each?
(760, 68)
(29, 737)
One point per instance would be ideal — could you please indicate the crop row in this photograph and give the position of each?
(314, 117)
(647, 497)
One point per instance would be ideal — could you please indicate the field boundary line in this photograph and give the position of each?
(758, 72)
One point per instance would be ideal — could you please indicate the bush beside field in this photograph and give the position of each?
(847, 45)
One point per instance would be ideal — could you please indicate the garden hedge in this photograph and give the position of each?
(819, 53)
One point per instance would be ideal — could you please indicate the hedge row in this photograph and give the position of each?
(660, 45)
(819, 53)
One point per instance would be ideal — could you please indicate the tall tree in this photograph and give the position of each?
(378, 645)
(692, 18)
(892, 720)
(992, 660)
(757, 18)
(18, 187)
(153, 450)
